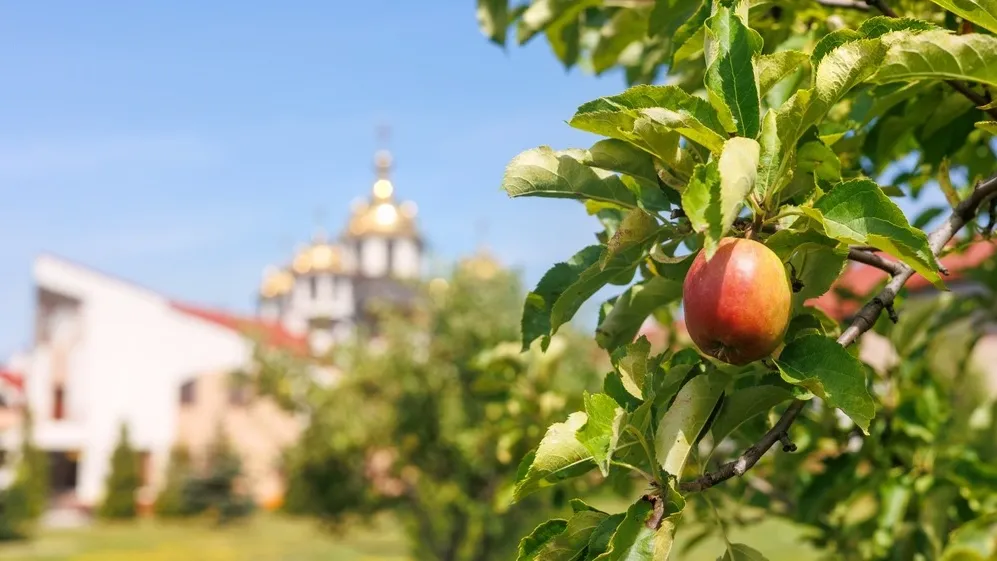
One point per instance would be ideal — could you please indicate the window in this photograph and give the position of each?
(59, 403)
(313, 287)
(187, 393)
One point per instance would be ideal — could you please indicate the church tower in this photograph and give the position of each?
(382, 233)
(327, 288)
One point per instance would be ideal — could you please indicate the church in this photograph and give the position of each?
(107, 352)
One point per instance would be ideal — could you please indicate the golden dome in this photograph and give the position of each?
(319, 256)
(482, 264)
(382, 214)
(276, 282)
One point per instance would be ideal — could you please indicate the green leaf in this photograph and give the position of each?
(858, 212)
(730, 74)
(693, 27)
(816, 259)
(669, 15)
(622, 29)
(938, 55)
(590, 281)
(780, 131)
(601, 432)
(570, 544)
(634, 540)
(543, 172)
(669, 106)
(774, 67)
(564, 38)
(987, 126)
(620, 156)
(718, 189)
(681, 425)
(741, 552)
(831, 41)
(826, 369)
(816, 158)
(631, 309)
(981, 12)
(493, 19)
(540, 303)
(560, 456)
(637, 229)
(542, 13)
(744, 404)
(631, 362)
(531, 546)
(881, 25)
(599, 540)
(838, 72)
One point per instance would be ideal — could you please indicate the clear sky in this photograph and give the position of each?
(185, 145)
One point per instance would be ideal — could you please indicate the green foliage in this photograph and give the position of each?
(216, 489)
(171, 503)
(122, 482)
(777, 123)
(24, 501)
(430, 419)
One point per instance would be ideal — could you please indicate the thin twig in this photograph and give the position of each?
(874, 260)
(848, 4)
(965, 212)
(977, 99)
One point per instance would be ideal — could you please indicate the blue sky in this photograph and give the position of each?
(186, 145)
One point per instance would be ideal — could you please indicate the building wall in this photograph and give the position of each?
(258, 431)
(132, 353)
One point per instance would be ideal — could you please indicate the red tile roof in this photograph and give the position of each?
(270, 333)
(12, 378)
(859, 280)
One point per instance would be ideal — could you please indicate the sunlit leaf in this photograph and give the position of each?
(601, 432)
(681, 425)
(730, 74)
(543, 172)
(570, 544)
(858, 212)
(774, 67)
(938, 55)
(741, 552)
(637, 229)
(826, 369)
(540, 302)
(493, 19)
(560, 456)
(980, 12)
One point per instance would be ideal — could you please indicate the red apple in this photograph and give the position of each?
(737, 304)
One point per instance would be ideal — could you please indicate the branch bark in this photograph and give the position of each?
(847, 4)
(965, 212)
(874, 260)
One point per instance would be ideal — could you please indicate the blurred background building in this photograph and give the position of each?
(107, 352)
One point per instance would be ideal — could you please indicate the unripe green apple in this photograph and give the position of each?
(737, 304)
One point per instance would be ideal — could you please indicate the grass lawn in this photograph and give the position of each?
(262, 538)
(267, 537)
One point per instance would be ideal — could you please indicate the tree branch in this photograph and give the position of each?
(976, 98)
(848, 4)
(874, 260)
(965, 212)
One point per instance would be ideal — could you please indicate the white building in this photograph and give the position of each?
(107, 352)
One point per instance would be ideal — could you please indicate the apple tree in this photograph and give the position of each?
(795, 125)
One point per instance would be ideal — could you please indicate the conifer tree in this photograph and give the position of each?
(123, 481)
(24, 501)
(171, 501)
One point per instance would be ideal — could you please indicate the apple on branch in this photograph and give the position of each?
(737, 304)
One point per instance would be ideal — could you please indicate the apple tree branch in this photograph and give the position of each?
(965, 212)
